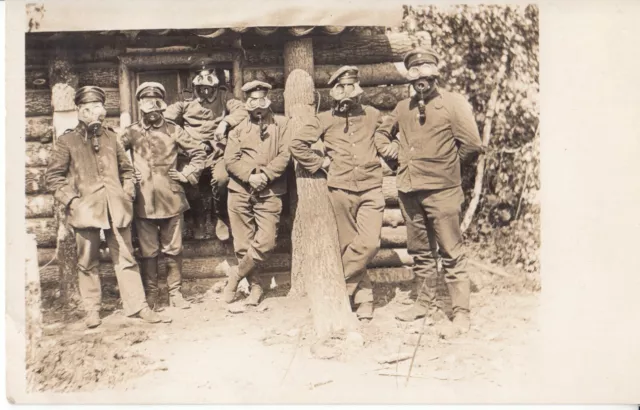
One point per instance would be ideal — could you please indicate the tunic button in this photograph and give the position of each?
(353, 145)
(411, 148)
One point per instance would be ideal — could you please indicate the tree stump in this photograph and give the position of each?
(316, 259)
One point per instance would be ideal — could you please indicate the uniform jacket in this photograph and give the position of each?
(429, 155)
(247, 153)
(101, 181)
(355, 164)
(154, 152)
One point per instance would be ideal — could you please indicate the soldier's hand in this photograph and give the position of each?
(177, 176)
(256, 181)
(326, 163)
(137, 176)
(390, 151)
(220, 131)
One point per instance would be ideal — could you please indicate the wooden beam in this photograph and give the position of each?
(103, 75)
(172, 60)
(370, 74)
(238, 75)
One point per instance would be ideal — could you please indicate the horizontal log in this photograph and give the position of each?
(370, 74)
(39, 206)
(393, 237)
(352, 48)
(36, 78)
(34, 180)
(391, 257)
(192, 268)
(37, 154)
(45, 230)
(377, 275)
(41, 128)
(390, 191)
(38, 102)
(392, 217)
(38, 128)
(382, 98)
(103, 75)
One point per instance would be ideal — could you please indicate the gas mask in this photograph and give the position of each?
(345, 95)
(423, 79)
(206, 84)
(92, 115)
(258, 106)
(152, 108)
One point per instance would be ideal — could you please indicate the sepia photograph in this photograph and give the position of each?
(282, 212)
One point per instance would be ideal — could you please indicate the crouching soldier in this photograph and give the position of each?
(90, 173)
(207, 118)
(436, 130)
(354, 178)
(160, 203)
(257, 156)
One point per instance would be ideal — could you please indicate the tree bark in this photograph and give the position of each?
(39, 206)
(486, 137)
(64, 82)
(238, 75)
(315, 250)
(33, 298)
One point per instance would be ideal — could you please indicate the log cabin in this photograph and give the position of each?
(118, 61)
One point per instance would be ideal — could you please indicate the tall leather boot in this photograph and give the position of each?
(149, 273)
(236, 273)
(174, 281)
(256, 290)
(460, 292)
(424, 305)
(222, 228)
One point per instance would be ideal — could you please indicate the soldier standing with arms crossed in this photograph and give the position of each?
(161, 201)
(354, 178)
(436, 131)
(207, 118)
(90, 174)
(256, 159)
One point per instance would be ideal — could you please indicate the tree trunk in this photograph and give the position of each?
(64, 82)
(486, 137)
(315, 250)
(33, 298)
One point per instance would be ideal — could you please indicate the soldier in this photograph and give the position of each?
(160, 202)
(354, 178)
(436, 130)
(207, 118)
(90, 174)
(256, 158)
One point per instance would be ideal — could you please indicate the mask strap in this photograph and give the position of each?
(260, 125)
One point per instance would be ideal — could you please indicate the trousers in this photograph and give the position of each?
(359, 219)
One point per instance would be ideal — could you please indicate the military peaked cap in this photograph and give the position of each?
(89, 94)
(347, 75)
(150, 89)
(420, 56)
(256, 89)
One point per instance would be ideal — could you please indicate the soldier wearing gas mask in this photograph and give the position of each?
(160, 203)
(90, 173)
(208, 118)
(256, 157)
(354, 177)
(435, 130)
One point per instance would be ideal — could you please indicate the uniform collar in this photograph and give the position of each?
(431, 96)
(147, 126)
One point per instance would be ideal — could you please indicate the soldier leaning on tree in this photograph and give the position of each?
(90, 174)
(256, 159)
(354, 177)
(160, 203)
(435, 131)
(207, 118)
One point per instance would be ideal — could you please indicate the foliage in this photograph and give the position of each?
(474, 42)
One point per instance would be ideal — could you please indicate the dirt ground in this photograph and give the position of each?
(217, 353)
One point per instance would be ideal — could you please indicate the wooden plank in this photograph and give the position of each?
(393, 237)
(39, 206)
(34, 180)
(370, 74)
(36, 78)
(38, 102)
(382, 98)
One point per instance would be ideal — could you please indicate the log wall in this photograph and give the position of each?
(382, 77)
